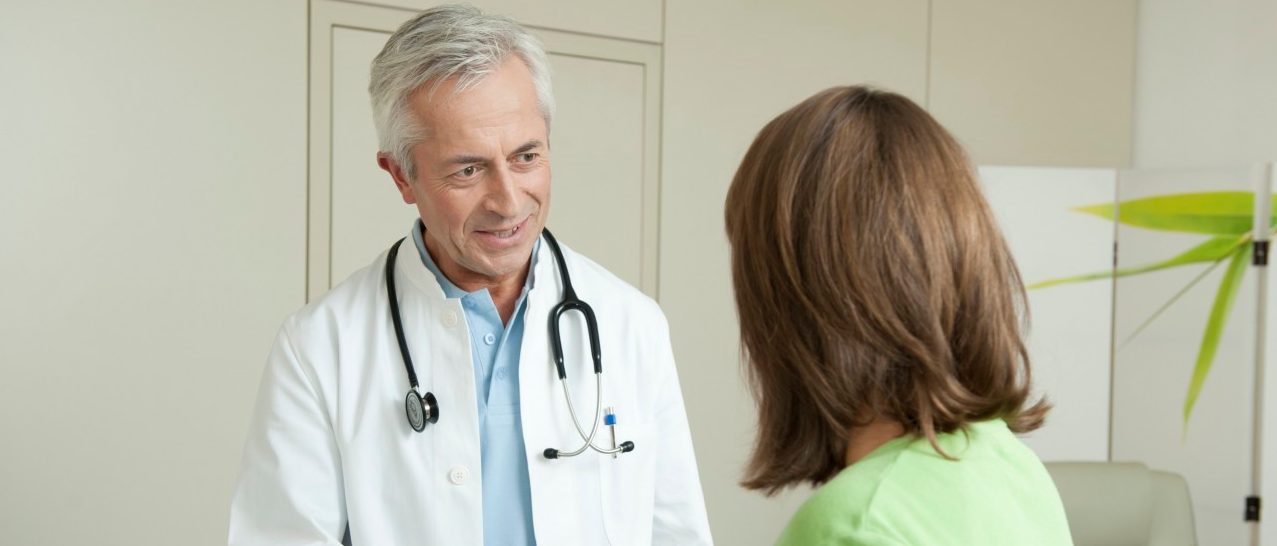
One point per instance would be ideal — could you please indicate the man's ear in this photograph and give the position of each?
(402, 182)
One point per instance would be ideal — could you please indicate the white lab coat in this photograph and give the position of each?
(329, 443)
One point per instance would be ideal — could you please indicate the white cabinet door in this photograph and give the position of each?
(604, 144)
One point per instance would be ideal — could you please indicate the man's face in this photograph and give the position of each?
(482, 184)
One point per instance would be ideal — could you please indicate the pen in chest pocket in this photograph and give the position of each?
(609, 419)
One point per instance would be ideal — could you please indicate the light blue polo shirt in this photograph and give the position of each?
(507, 493)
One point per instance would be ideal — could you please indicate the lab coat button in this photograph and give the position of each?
(489, 339)
(458, 475)
(450, 318)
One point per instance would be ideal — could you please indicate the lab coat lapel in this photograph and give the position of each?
(451, 494)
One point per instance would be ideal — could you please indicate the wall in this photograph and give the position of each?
(153, 164)
(152, 167)
(1035, 83)
(1206, 77)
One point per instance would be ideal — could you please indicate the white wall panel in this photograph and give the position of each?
(597, 154)
(152, 217)
(368, 213)
(1070, 332)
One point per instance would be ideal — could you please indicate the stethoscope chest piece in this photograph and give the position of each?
(422, 410)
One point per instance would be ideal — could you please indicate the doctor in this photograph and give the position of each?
(463, 105)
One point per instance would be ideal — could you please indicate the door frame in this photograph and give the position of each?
(327, 15)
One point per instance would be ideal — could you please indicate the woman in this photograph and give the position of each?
(880, 319)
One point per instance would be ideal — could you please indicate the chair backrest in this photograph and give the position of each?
(1124, 504)
(1173, 511)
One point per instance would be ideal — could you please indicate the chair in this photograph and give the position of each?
(1124, 504)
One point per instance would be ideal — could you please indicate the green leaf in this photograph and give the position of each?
(1148, 321)
(1215, 326)
(1214, 213)
(1213, 250)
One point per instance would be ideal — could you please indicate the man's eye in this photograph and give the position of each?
(468, 171)
(528, 157)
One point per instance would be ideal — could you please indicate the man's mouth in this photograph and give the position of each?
(507, 233)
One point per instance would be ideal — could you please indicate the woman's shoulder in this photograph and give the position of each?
(908, 493)
(842, 509)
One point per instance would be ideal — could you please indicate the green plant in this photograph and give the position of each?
(1228, 218)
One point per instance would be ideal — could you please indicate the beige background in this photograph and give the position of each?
(153, 225)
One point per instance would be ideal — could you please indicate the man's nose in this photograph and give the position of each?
(503, 195)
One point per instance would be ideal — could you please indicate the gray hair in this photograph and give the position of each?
(440, 43)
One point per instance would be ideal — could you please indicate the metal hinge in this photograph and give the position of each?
(1252, 508)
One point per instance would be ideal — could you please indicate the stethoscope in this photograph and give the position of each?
(423, 409)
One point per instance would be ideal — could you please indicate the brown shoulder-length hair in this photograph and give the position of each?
(871, 281)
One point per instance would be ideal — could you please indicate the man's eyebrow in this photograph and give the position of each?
(527, 147)
(471, 159)
(466, 160)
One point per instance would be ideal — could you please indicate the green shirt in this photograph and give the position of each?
(904, 493)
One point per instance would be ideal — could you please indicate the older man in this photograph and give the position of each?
(462, 315)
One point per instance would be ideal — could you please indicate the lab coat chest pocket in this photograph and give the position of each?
(628, 485)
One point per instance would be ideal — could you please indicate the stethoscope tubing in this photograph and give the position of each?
(393, 296)
(570, 302)
(625, 447)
